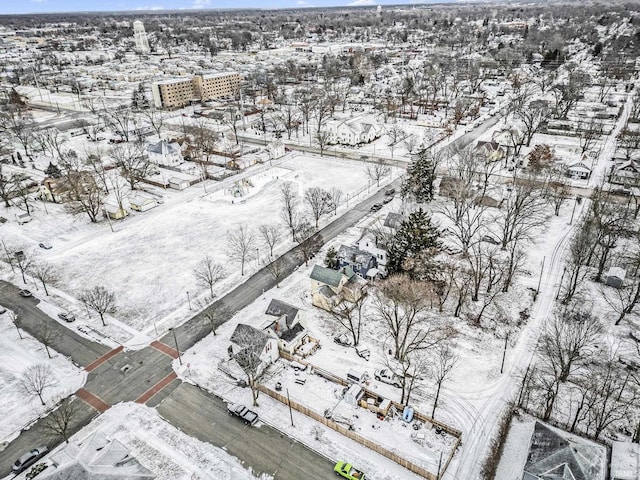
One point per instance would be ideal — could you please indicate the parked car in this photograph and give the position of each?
(343, 339)
(26, 293)
(348, 471)
(45, 245)
(249, 417)
(28, 459)
(387, 199)
(67, 317)
(390, 191)
(375, 207)
(387, 376)
(363, 352)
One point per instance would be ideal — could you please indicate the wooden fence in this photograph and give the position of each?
(457, 434)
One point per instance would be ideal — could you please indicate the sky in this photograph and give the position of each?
(44, 6)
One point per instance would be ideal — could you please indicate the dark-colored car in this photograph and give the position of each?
(28, 459)
(390, 191)
(67, 317)
(25, 293)
(248, 416)
(45, 245)
(375, 207)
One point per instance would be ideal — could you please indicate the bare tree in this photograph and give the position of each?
(319, 202)
(322, 139)
(443, 362)
(277, 267)
(400, 304)
(289, 211)
(36, 379)
(120, 119)
(241, 245)
(270, 237)
(580, 250)
(155, 118)
(251, 342)
(396, 134)
(335, 196)
(133, 162)
(349, 315)
(84, 194)
(58, 422)
(44, 272)
(532, 117)
(208, 273)
(557, 189)
(309, 242)
(22, 262)
(376, 170)
(100, 300)
(589, 133)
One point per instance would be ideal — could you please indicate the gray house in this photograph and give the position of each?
(287, 324)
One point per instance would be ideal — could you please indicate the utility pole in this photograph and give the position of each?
(575, 202)
(561, 279)
(540, 279)
(175, 339)
(504, 352)
(290, 411)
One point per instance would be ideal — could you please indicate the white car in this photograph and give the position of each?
(387, 376)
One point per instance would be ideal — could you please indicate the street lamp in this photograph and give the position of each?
(258, 256)
(175, 339)
(189, 300)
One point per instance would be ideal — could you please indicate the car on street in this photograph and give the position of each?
(390, 191)
(348, 471)
(343, 339)
(249, 417)
(25, 293)
(28, 459)
(387, 376)
(375, 207)
(67, 317)
(387, 199)
(45, 245)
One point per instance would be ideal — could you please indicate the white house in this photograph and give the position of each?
(165, 154)
(369, 243)
(276, 149)
(142, 204)
(287, 324)
(578, 171)
(354, 131)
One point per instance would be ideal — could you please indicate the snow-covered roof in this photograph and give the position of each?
(625, 461)
(618, 272)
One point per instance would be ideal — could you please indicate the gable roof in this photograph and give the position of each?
(164, 148)
(552, 457)
(245, 335)
(278, 308)
(292, 332)
(393, 220)
(96, 458)
(326, 275)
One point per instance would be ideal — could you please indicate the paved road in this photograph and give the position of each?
(204, 416)
(63, 340)
(128, 375)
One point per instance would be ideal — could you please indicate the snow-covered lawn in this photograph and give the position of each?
(17, 355)
(148, 261)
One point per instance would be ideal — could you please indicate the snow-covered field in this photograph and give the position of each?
(148, 260)
(16, 356)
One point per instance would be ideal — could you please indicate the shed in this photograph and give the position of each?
(114, 212)
(179, 183)
(353, 395)
(615, 277)
(23, 217)
(142, 204)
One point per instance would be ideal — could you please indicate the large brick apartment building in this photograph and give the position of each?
(178, 92)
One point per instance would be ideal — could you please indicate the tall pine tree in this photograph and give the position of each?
(415, 242)
(139, 100)
(421, 175)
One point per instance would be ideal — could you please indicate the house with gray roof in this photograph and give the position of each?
(287, 324)
(557, 455)
(330, 287)
(360, 261)
(165, 154)
(247, 339)
(95, 458)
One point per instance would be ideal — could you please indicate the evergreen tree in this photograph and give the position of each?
(139, 99)
(421, 175)
(413, 245)
(53, 171)
(331, 260)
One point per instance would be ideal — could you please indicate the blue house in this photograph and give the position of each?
(361, 262)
